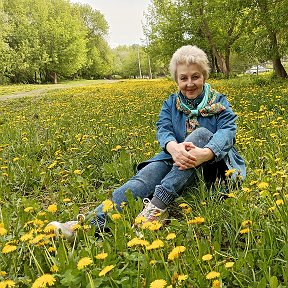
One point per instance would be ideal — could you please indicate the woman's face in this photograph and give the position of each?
(190, 80)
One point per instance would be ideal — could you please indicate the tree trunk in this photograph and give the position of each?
(275, 55)
(213, 64)
(53, 76)
(221, 60)
(279, 68)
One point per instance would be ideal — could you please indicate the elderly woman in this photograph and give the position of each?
(196, 131)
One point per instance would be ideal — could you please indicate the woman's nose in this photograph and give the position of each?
(190, 82)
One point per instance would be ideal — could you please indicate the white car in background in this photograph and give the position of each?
(256, 70)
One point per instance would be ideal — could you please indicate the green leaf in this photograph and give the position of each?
(273, 281)
(71, 279)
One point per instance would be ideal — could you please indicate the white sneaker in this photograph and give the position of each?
(152, 213)
(67, 229)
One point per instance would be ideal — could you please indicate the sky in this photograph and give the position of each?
(124, 17)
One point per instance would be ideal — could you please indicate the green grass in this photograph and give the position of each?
(21, 88)
(65, 153)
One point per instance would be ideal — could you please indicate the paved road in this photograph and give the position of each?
(43, 91)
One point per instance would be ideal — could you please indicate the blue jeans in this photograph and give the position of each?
(163, 180)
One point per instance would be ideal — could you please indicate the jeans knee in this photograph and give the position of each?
(199, 137)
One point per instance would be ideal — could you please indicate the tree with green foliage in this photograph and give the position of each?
(99, 56)
(46, 39)
(4, 48)
(63, 38)
(132, 62)
(272, 37)
(215, 26)
(247, 30)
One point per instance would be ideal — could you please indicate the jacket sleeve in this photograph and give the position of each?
(224, 137)
(165, 131)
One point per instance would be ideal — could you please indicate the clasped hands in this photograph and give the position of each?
(186, 155)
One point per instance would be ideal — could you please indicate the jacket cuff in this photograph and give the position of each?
(166, 142)
(216, 150)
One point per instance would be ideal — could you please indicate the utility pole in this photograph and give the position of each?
(149, 65)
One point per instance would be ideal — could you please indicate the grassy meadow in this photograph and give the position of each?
(64, 153)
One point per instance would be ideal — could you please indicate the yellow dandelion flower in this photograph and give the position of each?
(38, 222)
(28, 209)
(52, 165)
(229, 264)
(155, 244)
(279, 202)
(152, 226)
(246, 189)
(196, 220)
(26, 237)
(44, 280)
(271, 209)
(187, 210)
(123, 204)
(67, 200)
(3, 273)
(101, 256)
(52, 208)
(171, 236)
(3, 231)
(212, 275)
(216, 284)
(51, 249)
(207, 257)
(105, 270)
(245, 231)
(262, 185)
(116, 216)
(118, 147)
(15, 159)
(159, 283)
(8, 248)
(231, 195)
(246, 223)
(176, 252)
(152, 262)
(183, 205)
(77, 172)
(37, 239)
(49, 229)
(229, 172)
(76, 227)
(7, 284)
(107, 205)
(137, 242)
(182, 277)
(83, 262)
(139, 220)
(54, 268)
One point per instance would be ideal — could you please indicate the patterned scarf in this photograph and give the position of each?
(206, 108)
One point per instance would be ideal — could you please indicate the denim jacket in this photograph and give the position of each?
(171, 126)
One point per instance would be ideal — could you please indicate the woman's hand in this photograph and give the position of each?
(201, 154)
(181, 155)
